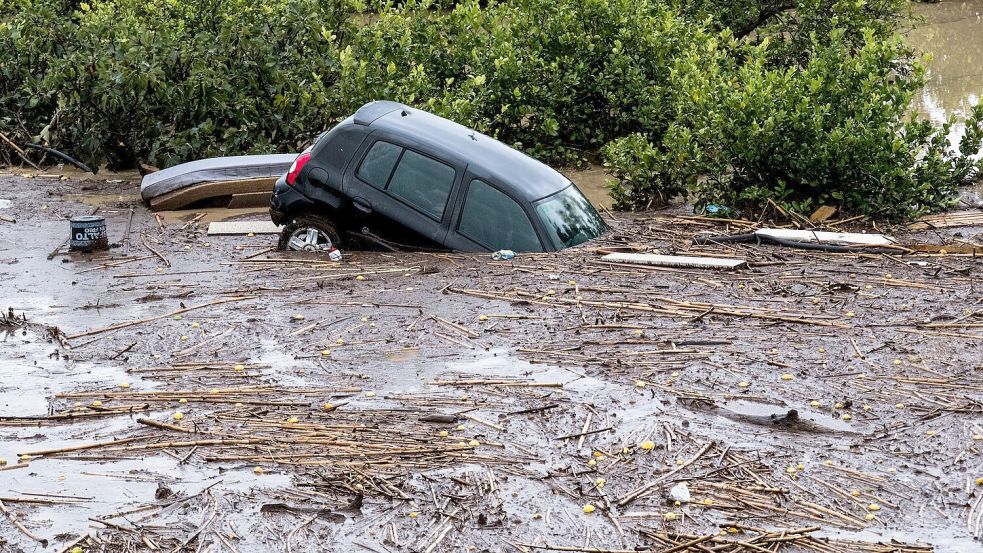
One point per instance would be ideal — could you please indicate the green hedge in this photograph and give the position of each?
(173, 80)
(835, 131)
(558, 78)
(732, 101)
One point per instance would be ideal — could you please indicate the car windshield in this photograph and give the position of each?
(569, 218)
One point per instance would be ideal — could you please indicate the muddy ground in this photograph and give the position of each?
(194, 392)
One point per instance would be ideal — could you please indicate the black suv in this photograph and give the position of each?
(393, 167)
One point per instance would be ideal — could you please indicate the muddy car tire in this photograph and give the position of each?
(308, 233)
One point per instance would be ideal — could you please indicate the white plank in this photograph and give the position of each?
(675, 261)
(821, 237)
(243, 227)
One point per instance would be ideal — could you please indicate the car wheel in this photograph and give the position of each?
(308, 234)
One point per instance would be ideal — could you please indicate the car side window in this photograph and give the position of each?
(378, 163)
(422, 182)
(495, 221)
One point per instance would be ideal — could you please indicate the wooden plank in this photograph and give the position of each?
(949, 220)
(188, 195)
(948, 248)
(675, 261)
(821, 237)
(822, 214)
(252, 199)
(243, 227)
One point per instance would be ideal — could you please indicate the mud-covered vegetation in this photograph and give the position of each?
(733, 101)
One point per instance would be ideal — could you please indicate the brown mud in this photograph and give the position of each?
(567, 382)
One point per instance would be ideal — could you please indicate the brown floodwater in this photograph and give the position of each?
(953, 33)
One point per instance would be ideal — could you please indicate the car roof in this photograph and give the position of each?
(525, 177)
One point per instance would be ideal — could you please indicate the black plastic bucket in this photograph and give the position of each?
(89, 233)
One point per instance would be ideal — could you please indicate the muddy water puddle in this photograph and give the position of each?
(815, 420)
(81, 489)
(942, 541)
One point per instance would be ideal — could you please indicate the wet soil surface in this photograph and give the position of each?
(193, 392)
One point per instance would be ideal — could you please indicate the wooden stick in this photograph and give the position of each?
(689, 544)
(80, 447)
(143, 239)
(13, 518)
(68, 547)
(164, 426)
(20, 153)
(158, 317)
(583, 431)
(646, 488)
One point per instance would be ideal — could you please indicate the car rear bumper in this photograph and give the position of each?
(286, 202)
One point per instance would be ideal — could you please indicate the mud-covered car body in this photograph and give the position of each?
(390, 165)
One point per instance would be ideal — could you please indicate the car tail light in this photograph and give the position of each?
(298, 164)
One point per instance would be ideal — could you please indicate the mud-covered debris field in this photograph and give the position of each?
(206, 393)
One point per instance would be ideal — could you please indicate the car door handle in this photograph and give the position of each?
(362, 205)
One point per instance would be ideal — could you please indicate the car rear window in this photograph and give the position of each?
(495, 221)
(422, 182)
(378, 163)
